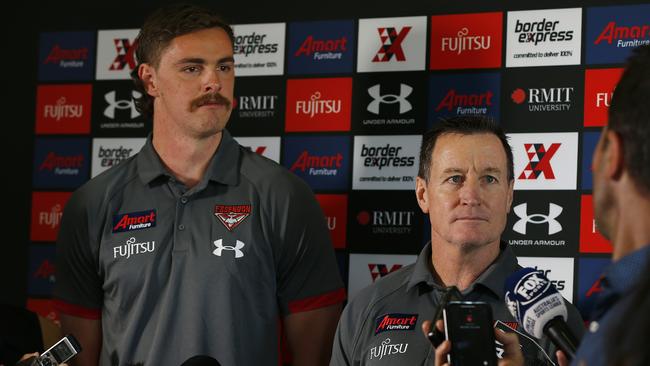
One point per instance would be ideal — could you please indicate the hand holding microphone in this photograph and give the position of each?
(537, 305)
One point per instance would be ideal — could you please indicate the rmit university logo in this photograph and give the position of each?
(125, 54)
(554, 211)
(378, 98)
(381, 270)
(220, 248)
(391, 44)
(120, 104)
(539, 161)
(232, 215)
(544, 99)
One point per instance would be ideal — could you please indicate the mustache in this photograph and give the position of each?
(214, 98)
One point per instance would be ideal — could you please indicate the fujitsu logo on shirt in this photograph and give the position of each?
(67, 57)
(389, 322)
(134, 221)
(131, 248)
(464, 41)
(63, 110)
(387, 349)
(315, 106)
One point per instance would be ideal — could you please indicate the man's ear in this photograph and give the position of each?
(421, 194)
(147, 74)
(613, 154)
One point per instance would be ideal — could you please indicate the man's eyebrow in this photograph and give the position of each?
(200, 61)
(453, 170)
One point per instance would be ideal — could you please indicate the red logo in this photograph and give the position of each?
(595, 288)
(63, 109)
(389, 322)
(58, 54)
(612, 32)
(391, 44)
(44, 308)
(599, 87)
(518, 96)
(591, 240)
(232, 215)
(539, 161)
(453, 100)
(47, 210)
(318, 104)
(466, 41)
(125, 54)
(45, 270)
(335, 208)
(381, 270)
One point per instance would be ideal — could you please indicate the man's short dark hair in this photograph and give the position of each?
(629, 116)
(465, 126)
(157, 32)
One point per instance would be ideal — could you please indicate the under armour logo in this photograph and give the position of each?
(554, 211)
(375, 93)
(120, 104)
(539, 161)
(125, 54)
(381, 270)
(391, 44)
(220, 248)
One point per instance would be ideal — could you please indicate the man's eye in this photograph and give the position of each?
(490, 179)
(225, 68)
(456, 179)
(190, 69)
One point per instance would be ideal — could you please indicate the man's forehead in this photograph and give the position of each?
(452, 150)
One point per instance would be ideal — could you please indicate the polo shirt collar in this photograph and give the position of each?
(623, 275)
(223, 166)
(493, 278)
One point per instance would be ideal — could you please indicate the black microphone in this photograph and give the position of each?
(537, 305)
(201, 360)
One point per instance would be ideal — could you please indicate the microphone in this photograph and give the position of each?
(201, 360)
(537, 305)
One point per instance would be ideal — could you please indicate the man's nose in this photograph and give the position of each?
(470, 193)
(212, 82)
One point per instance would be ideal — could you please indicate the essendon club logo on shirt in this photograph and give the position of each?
(134, 221)
(466, 41)
(395, 321)
(232, 215)
(318, 104)
(63, 109)
(599, 88)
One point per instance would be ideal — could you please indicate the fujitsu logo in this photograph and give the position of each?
(125, 54)
(387, 349)
(378, 98)
(131, 248)
(539, 161)
(63, 110)
(318, 165)
(331, 222)
(391, 44)
(45, 271)
(466, 103)
(604, 99)
(51, 218)
(612, 32)
(315, 106)
(322, 49)
(62, 165)
(381, 270)
(465, 42)
(120, 104)
(65, 57)
(554, 211)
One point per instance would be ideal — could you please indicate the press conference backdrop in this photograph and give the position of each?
(343, 102)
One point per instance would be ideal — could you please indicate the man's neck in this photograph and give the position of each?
(186, 158)
(455, 265)
(631, 222)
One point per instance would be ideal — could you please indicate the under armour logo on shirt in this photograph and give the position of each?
(220, 248)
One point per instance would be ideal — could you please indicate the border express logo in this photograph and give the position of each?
(232, 215)
(395, 322)
(544, 37)
(558, 270)
(323, 162)
(134, 221)
(63, 109)
(591, 240)
(614, 31)
(47, 211)
(322, 47)
(259, 49)
(66, 56)
(318, 105)
(385, 162)
(464, 95)
(335, 208)
(392, 44)
(108, 152)
(365, 269)
(466, 41)
(589, 142)
(116, 54)
(599, 89)
(268, 147)
(61, 163)
(545, 160)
